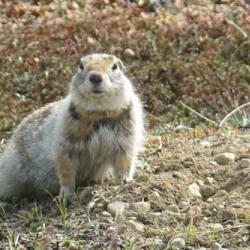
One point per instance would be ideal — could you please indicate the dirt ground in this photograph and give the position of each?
(183, 197)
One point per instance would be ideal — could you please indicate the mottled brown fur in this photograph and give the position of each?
(96, 127)
(81, 130)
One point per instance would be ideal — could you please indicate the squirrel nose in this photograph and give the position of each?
(96, 79)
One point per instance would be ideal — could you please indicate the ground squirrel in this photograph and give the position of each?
(74, 141)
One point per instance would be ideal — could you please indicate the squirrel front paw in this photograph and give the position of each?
(68, 195)
(121, 178)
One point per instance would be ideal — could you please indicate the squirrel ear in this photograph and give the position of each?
(120, 63)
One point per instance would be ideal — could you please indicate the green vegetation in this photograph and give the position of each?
(63, 210)
(191, 233)
(34, 218)
(13, 240)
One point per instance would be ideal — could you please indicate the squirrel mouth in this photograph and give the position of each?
(97, 91)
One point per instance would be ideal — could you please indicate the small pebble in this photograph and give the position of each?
(216, 245)
(194, 189)
(129, 213)
(117, 207)
(214, 163)
(245, 163)
(132, 218)
(136, 225)
(188, 164)
(220, 193)
(210, 200)
(183, 204)
(207, 190)
(111, 229)
(236, 205)
(173, 208)
(216, 226)
(206, 144)
(155, 198)
(178, 243)
(209, 180)
(120, 217)
(194, 210)
(106, 214)
(129, 52)
(159, 242)
(140, 207)
(225, 158)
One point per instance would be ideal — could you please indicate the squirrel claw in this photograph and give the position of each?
(67, 195)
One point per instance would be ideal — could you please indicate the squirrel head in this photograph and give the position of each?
(100, 81)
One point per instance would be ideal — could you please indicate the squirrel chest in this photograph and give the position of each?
(97, 138)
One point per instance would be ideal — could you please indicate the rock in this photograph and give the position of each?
(91, 40)
(220, 193)
(132, 218)
(188, 164)
(106, 214)
(210, 200)
(194, 210)
(245, 163)
(117, 207)
(207, 191)
(173, 208)
(225, 158)
(183, 204)
(216, 245)
(245, 238)
(200, 182)
(216, 226)
(129, 52)
(155, 214)
(209, 180)
(154, 197)
(221, 206)
(178, 243)
(204, 205)
(180, 128)
(120, 217)
(206, 144)
(111, 229)
(159, 242)
(194, 190)
(140, 207)
(207, 212)
(135, 225)
(130, 213)
(236, 205)
(214, 163)
(177, 175)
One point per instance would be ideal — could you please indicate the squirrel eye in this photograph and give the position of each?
(114, 67)
(81, 66)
